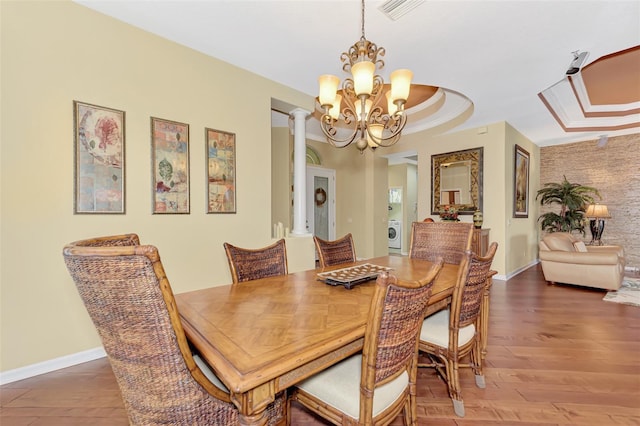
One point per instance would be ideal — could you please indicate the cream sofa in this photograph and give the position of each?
(565, 259)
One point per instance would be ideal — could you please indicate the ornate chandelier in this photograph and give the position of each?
(358, 107)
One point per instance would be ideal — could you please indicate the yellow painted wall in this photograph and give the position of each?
(350, 181)
(497, 140)
(521, 234)
(517, 236)
(57, 52)
(376, 210)
(281, 177)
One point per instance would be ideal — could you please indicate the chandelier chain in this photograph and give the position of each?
(358, 107)
(362, 11)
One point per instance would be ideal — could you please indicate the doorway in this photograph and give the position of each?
(321, 202)
(403, 211)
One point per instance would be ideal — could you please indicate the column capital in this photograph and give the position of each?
(299, 113)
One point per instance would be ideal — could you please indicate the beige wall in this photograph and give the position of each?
(615, 171)
(57, 52)
(281, 177)
(521, 236)
(350, 197)
(517, 238)
(498, 139)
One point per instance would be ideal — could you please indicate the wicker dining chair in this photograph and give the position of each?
(449, 240)
(252, 264)
(374, 387)
(451, 334)
(335, 252)
(129, 299)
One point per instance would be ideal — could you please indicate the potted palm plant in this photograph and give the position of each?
(572, 199)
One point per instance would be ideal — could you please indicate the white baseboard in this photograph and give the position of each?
(50, 365)
(517, 271)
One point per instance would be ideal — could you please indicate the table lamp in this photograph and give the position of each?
(597, 213)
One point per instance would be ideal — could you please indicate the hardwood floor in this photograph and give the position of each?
(557, 355)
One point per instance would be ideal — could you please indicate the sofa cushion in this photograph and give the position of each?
(561, 241)
(580, 246)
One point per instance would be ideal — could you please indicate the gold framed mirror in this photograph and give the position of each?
(456, 181)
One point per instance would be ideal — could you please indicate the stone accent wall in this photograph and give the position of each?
(615, 171)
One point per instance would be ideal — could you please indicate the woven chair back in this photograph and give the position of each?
(472, 279)
(335, 252)
(393, 327)
(253, 264)
(448, 240)
(110, 241)
(130, 302)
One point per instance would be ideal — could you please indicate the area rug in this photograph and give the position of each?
(628, 294)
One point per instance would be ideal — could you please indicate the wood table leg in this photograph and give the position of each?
(252, 405)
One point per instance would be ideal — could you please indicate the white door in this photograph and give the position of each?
(321, 202)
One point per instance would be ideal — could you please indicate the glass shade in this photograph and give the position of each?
(598, 211)
(401, 84)
(376, 131)
(391, 107)
(334, 112)
(363, 77)
(367, 108)
(328, 89)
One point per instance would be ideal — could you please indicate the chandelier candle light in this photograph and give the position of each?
(359, 106)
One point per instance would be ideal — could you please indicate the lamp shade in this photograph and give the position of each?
(391, 107)
(334, 112)
(328, 89)
(367, 108)
(400, 84)
(376, 131)
(363, 77)
(597, 211)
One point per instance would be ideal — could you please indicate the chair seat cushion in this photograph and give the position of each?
(209, 374)
(435, 330)
(339, 387)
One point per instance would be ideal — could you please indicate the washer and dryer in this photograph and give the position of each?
(395, 234)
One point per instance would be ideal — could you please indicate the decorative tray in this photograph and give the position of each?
(353, 275)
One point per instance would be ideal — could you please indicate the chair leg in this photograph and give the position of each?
(411, 405)
(458, 407)
(409, 414)
(453, 382)
(450, 374)
(476, 364)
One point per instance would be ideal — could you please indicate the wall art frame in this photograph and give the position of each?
(170, 167)
(99, 157)
(473, 158)
(521, 182)
(221, 171)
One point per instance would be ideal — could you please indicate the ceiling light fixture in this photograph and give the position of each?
(357, 106)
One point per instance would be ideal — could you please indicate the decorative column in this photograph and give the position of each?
(299, 172)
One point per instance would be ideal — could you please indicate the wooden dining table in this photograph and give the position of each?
(263, 336)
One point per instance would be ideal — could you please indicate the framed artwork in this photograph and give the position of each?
(456, 181)
(170, 166)
(99, 159)
(221, 171)
(521, 183)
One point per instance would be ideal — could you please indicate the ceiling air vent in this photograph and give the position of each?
(394, 9)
